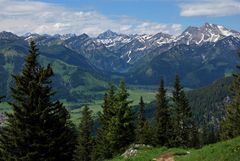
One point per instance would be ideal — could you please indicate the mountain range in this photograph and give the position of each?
(82, 63)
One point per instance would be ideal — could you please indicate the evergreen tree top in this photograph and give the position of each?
(111, 90)
(161, 90)
(86, 117)
(177, 91)
(141, 103)
(141, 116)
(122, 94)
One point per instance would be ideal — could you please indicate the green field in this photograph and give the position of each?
(223, 151)
(95, 106)
(135, 92)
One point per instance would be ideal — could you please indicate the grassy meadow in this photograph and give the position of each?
(222, 151)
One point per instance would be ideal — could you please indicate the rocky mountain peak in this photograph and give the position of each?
(4, 35)
(107, 34)
(161, 35)
(206, 33)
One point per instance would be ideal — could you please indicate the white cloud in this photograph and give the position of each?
(39, 17)
(216, 8)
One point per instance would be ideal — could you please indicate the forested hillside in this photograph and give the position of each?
(207, 103)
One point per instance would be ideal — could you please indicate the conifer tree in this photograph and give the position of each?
(103, 149)
(230, 127)
(107, 107)
(37, 128)
(121, 127)
(85, 141)
(162, 117)
(116, 130)
(142, 126)
(183, 123)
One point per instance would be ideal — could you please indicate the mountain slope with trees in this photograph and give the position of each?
(73, 72)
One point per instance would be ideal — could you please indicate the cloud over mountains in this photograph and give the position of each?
(216, 8)
(48, 18)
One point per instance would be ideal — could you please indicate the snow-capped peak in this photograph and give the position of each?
(219, 30)
(8, 35)
(161, 38)
(112, 39)
(161, 35)
(143, 37)
(107, 34)
(65, 36)
(206, 33)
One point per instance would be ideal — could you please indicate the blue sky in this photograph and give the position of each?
(161, 11)
(126, 16)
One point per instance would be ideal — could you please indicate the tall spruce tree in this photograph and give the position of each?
(85, 144)
(103, 149)
(116, 130)
(142, 126)
(162, 118)
(230, 127)
(121, 127)
(182, 120)
(37, 128)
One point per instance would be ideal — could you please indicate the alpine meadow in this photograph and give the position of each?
(119, 80)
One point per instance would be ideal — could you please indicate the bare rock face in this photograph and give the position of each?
(133, 150)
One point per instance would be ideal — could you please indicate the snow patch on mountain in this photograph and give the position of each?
(224, 31)
(129, 58)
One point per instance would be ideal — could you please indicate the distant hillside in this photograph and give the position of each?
(207, 103)
(197, 65)
(75, 78)
(222, 151)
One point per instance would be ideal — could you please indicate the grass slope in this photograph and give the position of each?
(222, 151)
